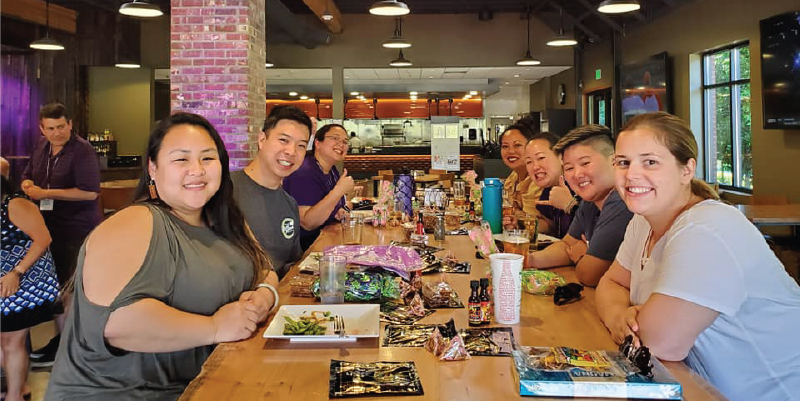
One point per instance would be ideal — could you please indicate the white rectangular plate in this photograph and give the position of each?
(361, 321)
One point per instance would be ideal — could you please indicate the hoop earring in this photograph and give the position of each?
(152, 188)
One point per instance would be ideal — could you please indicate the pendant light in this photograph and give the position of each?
(127, 64)
(267, 62)
(561, 39)
(618, 6)
(390, 8)
(397, 41)
(327, 16)
(528, 59)
(400, 61)
(141, 8)
(47, 43)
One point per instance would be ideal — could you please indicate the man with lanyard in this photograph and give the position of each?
(63, 175)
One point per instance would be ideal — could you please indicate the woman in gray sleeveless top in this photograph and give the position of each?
(159, 283)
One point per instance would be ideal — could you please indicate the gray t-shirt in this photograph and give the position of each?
(603, 228)
(273, 217)
(189, 268)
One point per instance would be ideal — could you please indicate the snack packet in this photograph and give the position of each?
(436, 343)
(540, 282)
(455, 351)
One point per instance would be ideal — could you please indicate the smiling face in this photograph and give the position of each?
(56, 130)
(588, 171)
(187, 169)
(333, 147)
(542, 164)
(281, 150)
(513, 145)
(648, 177)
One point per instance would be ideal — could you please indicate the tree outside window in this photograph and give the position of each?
(727, 116)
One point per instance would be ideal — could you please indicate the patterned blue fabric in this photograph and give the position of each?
(39, 283)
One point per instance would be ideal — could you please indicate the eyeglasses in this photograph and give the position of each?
(344, 142)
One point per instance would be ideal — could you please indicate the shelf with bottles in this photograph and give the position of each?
(105, 148)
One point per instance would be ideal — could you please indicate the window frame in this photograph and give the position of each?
(734, 99)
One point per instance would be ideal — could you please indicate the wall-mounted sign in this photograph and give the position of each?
(598, 74)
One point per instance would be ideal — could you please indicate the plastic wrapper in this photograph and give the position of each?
(396, 313)
(455, 351)
(540, 282)
(417, 306)
(440, 294)
(366, 287)
(436, 343)
(301, 286)
(481, 235)
(358, 379)
(490, 341)
(415, 335)
(400, 260)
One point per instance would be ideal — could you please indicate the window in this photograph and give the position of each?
(727, 116)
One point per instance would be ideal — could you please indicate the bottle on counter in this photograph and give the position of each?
(474, 305)
(439, 229)
(472, 212)
(485, 301)
(421, 228)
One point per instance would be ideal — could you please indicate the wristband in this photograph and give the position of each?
(275, 295)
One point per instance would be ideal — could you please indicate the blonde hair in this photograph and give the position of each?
(674, 133)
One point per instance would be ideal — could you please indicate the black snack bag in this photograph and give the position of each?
(489, 341)
(415, 335)
(358, 379)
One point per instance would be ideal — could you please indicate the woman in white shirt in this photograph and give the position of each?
(693, 279)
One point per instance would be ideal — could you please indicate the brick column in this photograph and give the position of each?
(217, 53)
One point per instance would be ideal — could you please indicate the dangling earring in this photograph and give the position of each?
(152, 187)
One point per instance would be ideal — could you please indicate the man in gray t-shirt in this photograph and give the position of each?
(601, 219)
(270, 212)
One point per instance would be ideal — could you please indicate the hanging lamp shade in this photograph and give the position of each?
(528, 59)
(618, 6)
(140, 8)
(562, 40)
(46, 43)
(400, 61)
(397, 41)
(127, 64)
(268, 64)
(391, 8)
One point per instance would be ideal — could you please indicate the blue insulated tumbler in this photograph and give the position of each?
(491, 199)
(404, 190)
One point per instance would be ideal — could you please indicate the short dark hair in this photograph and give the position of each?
(286, 112)
(54, 111)
(352, 134)
(320, 135)
(550, 137)
(595, 135)
(524, 129)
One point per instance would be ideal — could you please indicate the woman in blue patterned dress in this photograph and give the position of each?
(28, 284)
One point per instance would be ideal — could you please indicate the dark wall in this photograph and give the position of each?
(39, 77)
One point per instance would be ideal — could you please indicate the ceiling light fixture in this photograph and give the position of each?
(413, 93)
(473, 93)
(561, 39)
(293, 93)
(47, 43)
(140, 8)
(130, 65)
(528, 59)
(304, 97)
(400, 61)
(327, 16)
(354, 93)
(397, 41)
(268, 64)
(618, 6)
(390, 8)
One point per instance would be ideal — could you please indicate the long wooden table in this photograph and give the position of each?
(772, 215)
(260, 369)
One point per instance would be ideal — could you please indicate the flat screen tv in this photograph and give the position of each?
(645, 86)
(779, 55)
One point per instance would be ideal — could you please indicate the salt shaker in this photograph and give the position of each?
(439, 229)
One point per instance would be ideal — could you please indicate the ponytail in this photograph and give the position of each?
(702, 189)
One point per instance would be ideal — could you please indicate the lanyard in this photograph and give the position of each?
(55, 163)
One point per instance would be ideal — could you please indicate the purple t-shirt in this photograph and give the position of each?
(75, 166)
(310, 185)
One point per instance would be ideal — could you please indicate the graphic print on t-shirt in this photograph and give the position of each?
(288, 227)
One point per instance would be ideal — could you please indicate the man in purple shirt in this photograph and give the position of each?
(63, 175)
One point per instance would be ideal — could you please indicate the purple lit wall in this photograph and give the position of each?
(19, 100)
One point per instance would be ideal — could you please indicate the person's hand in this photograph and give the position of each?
(26, 184)
(35, 192)
(560, 196)
(509, 222)
(262, 298)
(9, 284)
(235, 321)
(345, 183)
(341, 214)
(577, 251)
(625, 324)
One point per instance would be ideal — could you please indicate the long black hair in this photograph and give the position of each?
(319, 136)
(220, 213)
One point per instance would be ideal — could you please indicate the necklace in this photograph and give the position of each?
(646, 256)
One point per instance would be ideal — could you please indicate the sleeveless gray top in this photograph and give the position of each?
(187, 267)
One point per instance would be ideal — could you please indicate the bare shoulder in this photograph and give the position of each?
(115, 251)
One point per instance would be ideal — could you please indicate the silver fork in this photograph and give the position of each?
(339, 326)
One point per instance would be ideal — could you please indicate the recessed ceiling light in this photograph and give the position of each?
(413, 93)
(311, 99)
(354, 93)
(304, 97)
(474, 93)
(391, 8)
(517, 75)
(429, 77)
(129, 65)
(293, 93)
(507, 82)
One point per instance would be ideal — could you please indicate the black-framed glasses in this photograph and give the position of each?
(344, 142)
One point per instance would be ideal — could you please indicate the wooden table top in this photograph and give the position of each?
(771, 214)
(116, 184)
(261, 369)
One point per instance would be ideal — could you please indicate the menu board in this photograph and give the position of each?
(445, 146)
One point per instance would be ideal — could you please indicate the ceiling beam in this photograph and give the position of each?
(602, 16)
(318, 7)
(34, 11)
(573, 21)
